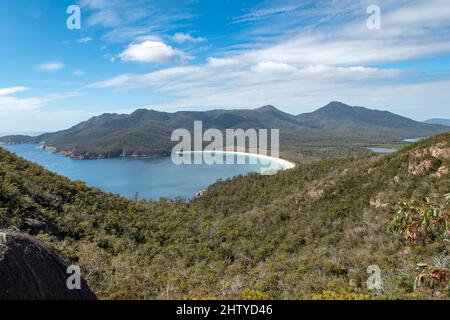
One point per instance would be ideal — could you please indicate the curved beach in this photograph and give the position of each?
(284, 164)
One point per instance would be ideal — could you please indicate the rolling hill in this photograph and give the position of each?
(147, 132)
(306, 233)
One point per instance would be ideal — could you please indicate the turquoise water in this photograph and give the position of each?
(151, 177)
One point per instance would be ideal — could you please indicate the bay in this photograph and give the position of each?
(150, 178)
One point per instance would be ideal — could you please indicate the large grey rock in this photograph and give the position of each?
(30, 270)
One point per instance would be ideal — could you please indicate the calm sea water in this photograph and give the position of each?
(152, 178)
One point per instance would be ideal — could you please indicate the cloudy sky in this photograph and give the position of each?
(199, 54)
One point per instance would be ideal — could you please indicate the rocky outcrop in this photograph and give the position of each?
(30, 270)
(420, 168)
(74, 154)
(440, 151)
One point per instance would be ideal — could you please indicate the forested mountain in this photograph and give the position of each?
(337, 114)
(147, 132)
(308, 232)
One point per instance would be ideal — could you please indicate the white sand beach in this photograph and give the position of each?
(284, 164)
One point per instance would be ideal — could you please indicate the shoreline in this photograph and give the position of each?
(284, 164)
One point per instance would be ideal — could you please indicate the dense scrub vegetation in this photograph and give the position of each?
(306, 233)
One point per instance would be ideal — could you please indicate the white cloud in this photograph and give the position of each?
(353, 72)
(84, 40)
(432, 13)
(117, 81)
(203, 80)
(12, 90)
(51, 66)
(106, 13)
(150, 51)
(186, 37)
(147, 37)
(308, 95)
(129, 20)
(265, 13)
(339, 35)
(11, 103)
(277, 68)
(334, 57)
(222, 62)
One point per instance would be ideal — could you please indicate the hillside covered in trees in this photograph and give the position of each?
(306, 233)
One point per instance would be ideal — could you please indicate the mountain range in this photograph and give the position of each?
(147, 132)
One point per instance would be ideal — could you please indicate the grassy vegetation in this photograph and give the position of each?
(307, 233)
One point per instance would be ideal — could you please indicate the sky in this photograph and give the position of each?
(172, 55)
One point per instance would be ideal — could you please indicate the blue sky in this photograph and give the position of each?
(198, 55)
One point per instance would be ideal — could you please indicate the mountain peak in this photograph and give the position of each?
(337, 109)
(337, 114)
(333, 105)
(267, 108)
(140, 111)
